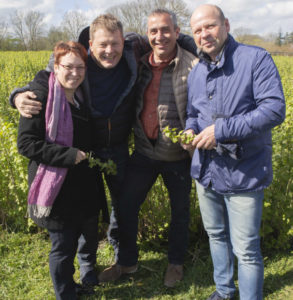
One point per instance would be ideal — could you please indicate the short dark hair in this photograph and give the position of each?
(161, 11)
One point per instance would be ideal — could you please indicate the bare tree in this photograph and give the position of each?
(72, 24)
(28, 28)
(241, 34)
(56, 34)
(133, 14)
(34, 21)
(3, 33)
(17, 21)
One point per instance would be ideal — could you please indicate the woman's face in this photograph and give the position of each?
(70, 71)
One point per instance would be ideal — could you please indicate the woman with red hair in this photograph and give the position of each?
(65, 194)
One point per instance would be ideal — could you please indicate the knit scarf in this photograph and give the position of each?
(59, 130)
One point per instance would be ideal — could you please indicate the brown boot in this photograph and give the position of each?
(173, 274)
(114, 272)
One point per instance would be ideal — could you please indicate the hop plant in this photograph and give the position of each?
(109, 166)
(178, 136)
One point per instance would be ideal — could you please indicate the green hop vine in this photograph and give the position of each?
(178, 136)
(109, 166)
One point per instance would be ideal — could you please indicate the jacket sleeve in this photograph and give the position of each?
(140, 44)
(269, 101)
(15, 92)
(187, 42)
(31, 140)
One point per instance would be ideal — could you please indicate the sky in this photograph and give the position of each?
(259, 16)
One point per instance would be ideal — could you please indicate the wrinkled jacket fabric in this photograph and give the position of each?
(115, 129)
(173, 87)
(242, 95)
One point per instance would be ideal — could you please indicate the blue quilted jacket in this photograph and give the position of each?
(242, 95)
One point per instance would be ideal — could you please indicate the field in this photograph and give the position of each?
(23, 250)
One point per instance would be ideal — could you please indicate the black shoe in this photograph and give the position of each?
(83, 289)
(216, 296)
(90, 279)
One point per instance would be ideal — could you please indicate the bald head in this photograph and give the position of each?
(210, 29)
(209, 9)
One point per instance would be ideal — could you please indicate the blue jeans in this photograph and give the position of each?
(141, 174)
(87, 250)
(232, 223)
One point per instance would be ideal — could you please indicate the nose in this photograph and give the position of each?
(74, 71)
(160, 35)
(204, 32)
(108, 48)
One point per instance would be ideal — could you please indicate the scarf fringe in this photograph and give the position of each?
(39, 211)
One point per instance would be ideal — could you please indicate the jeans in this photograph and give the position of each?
(120, 155)
(141, 174)
(61, 258)
(232, 223)
(87, 250)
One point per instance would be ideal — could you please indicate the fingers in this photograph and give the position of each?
(205, 144)
(187, 147)
(27, 105)
(80, 155)
(206, 139)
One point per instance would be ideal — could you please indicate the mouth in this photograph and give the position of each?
(109, 59)
(161, 45)
(208, 44)
(74, 80)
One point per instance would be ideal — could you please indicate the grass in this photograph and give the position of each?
(24, 272)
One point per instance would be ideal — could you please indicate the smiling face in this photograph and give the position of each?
(70, 71)
(162, 36)
(107, 47)
(209, 30)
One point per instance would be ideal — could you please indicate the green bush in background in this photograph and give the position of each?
(17, 68)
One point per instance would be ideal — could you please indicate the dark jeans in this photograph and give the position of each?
(120, 155)
(61, 257)
(141, 174)
(87, 251)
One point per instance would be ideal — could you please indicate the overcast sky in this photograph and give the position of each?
(260, 16)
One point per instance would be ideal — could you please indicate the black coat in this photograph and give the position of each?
(82, 193)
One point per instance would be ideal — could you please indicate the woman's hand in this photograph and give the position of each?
(80, 155)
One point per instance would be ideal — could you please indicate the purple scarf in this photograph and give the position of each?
(59, 130)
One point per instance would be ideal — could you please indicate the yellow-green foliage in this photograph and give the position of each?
(17, 68)
(278, 211)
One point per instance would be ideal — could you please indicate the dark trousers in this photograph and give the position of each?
(120, 155)
(87, 251)
(141, 174)
(61, 257)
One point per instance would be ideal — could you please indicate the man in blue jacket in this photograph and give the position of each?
(235, 98)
